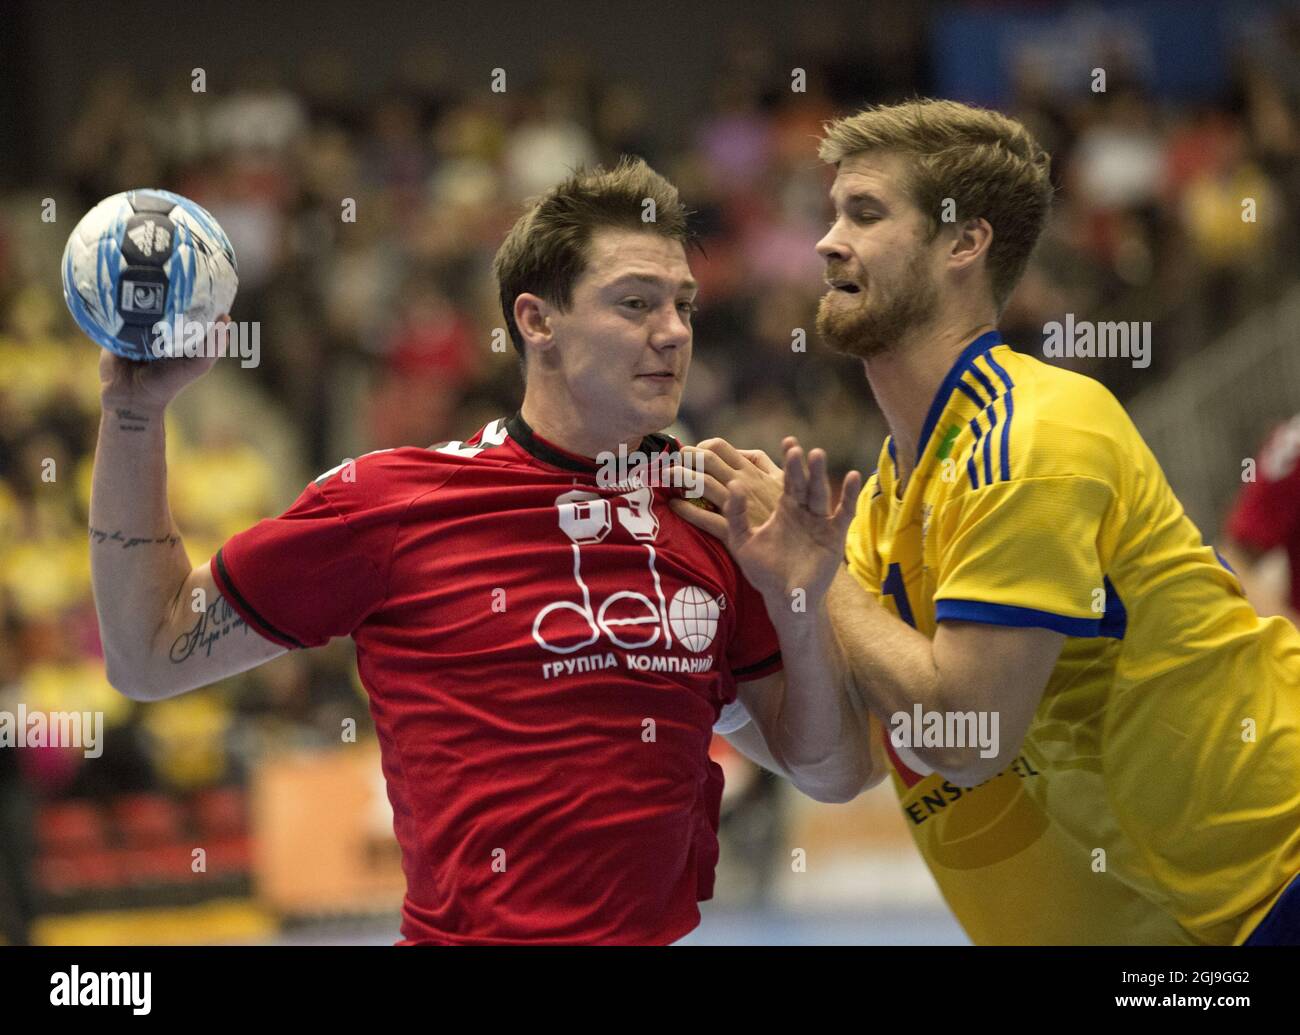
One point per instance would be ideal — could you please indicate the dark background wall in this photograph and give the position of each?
(671, 47)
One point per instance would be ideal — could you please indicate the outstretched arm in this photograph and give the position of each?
(164, 625)
(811, 721)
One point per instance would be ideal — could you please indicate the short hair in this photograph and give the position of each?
(988, 164)
(546, 251)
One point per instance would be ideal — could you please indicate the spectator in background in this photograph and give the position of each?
(429, 359)
(547, 143)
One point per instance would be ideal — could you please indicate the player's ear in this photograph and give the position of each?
(533, 318)
(972, 239)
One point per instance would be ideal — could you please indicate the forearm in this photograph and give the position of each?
(137, 560)
(819, 731)
(982, 683)
(892, 664)
(894, 671)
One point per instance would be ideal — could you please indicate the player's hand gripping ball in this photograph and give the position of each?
(145, 267)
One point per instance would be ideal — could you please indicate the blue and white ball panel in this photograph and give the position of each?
(142, 257)
(202, 267)
(92, 264)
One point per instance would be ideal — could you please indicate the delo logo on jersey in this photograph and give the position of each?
(630, 619)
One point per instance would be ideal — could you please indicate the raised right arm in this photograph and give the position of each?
(164, 625)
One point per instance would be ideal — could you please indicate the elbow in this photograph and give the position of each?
(833, 794)
(961, 742)
(965, 767)
(129, 682)
(835, 778)
(833, 789)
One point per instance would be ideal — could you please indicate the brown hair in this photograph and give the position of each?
(545, 252)
(988, 164)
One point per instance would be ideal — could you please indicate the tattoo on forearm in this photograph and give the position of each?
(128, 421)
(98, 535)
(218, 621)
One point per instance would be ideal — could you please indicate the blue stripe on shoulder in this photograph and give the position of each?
(988, 385)
(988, 455)
(1006, 440)
(971, 394)
(980, 345)
(1007, 385)
(971, 469)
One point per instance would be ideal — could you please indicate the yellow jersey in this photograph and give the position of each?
(1156, 798)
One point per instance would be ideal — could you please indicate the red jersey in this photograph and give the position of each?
(1267, 512)
(545, 659)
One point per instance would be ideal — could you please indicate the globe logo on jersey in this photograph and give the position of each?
(693, 615)
(634, 619)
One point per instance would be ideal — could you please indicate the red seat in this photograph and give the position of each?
(71, 826)
(60, 873)
(148, 819)
(230, 855)
(157, 864)
(221, 812)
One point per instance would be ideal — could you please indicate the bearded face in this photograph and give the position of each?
(864, 315)
(879, 262)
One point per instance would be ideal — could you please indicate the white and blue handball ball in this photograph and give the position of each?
(144, 258)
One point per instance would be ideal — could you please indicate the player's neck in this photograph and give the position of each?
(904, 381)
(562, 426)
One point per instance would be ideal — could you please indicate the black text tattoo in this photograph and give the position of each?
(98, 535)
(218, 621)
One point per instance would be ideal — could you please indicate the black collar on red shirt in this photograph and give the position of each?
(517, 428)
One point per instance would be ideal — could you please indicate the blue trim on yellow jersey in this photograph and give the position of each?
(981, 344)
(986, 438)
(1006, 438)
(970, 462)
(896, 586)
(988, 385)
(1112, 624)
(1008, 384)
(970, 393)
(1114, 620)
(1282, 924)
(1021, 617)
(988, 456)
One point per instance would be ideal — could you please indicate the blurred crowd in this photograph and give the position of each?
(378, 331)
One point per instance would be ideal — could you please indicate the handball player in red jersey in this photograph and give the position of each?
(547, 651)
(1266, 517)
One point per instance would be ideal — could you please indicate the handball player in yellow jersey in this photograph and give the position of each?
(1093, 736)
